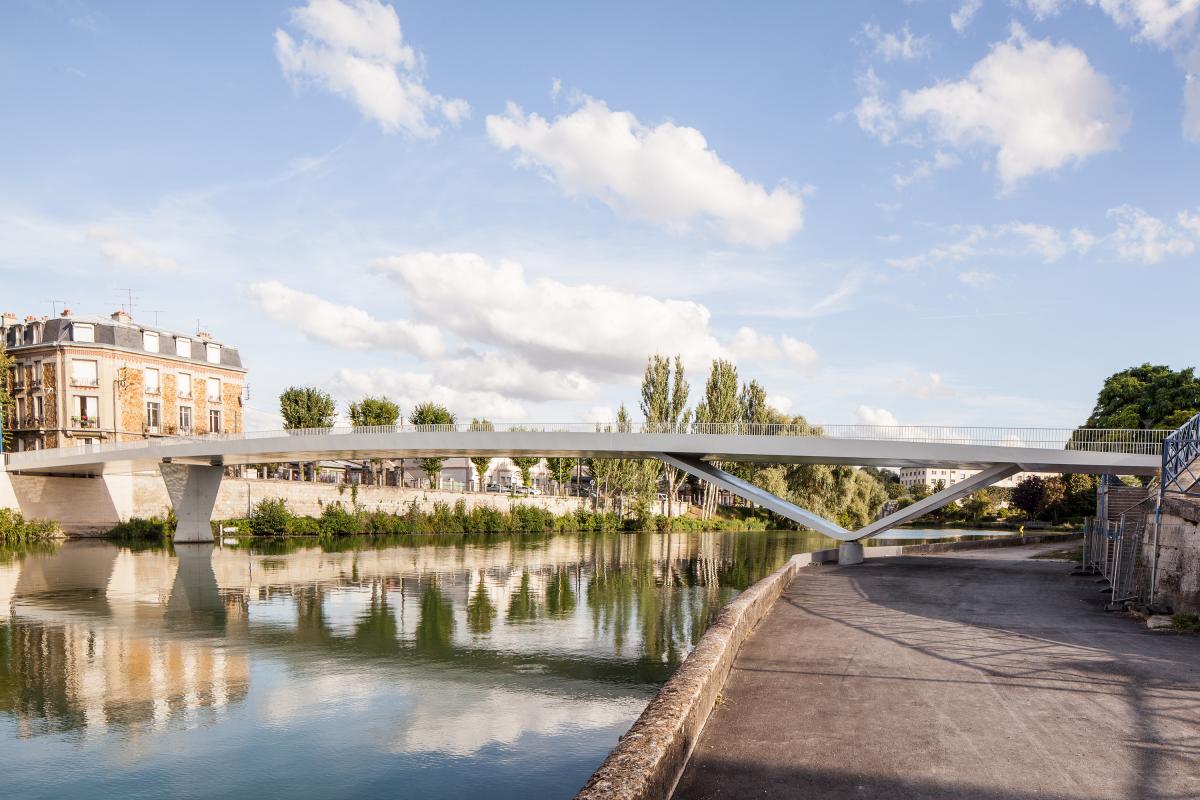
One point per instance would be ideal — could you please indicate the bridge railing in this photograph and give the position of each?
(1133, 442)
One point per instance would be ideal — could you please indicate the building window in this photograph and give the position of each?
(37, 373)
(83, 333)
(183, 347)
(152, 380)
(39, 409)
(183, 384)
(85, 373)
(150, 341)
(213, 353)
(185, 420)
(153, 417)
(214, 421)
(87, 412)
(214, 390)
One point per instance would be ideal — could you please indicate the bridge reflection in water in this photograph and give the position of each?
(439, 660)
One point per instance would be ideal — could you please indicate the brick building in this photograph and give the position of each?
(84, 379)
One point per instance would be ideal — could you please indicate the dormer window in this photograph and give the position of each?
(183, 347)
(150, 341)
(213, 353)
(81, 332)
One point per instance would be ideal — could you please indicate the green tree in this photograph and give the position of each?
(481, 463)
(431, 414)
(978, 504)
(525, 465)
(719, 406)
(374, 411)
(1029, 495)
(306, 407)
(1149, 396)
(664, 406)
(560, 471)
(6, 400)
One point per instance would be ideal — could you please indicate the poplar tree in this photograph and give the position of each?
(664, 406)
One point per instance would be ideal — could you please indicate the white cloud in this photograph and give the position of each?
(922, 385)
(900, 45)
(1162, 22)
(921, 170)
(1190, 221)
(780, 403)
(977, 278)
(749, 345)
(355, 48)
(868, 415)
(409, 388)
(666, 174)
(553, 325)
(127, 252)
(874, 114)
(343, 326)
(962, 16)
(1142, 237)
(1137, 236)
(1038, 104)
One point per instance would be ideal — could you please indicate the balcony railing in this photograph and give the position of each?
(85, 423)
(85, 383)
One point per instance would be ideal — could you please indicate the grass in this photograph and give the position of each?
(1189, 623)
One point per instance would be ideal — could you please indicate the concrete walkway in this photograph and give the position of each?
(983, 675)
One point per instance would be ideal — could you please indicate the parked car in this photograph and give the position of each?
(494, 487)
(523, 490)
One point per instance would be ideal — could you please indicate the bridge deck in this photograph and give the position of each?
(1129, 458)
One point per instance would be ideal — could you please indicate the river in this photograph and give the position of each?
(432, 667)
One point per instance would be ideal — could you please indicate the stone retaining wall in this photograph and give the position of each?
(92, 506)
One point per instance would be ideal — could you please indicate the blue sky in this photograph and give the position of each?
(944, 213)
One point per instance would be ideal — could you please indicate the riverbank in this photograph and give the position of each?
(273, 518)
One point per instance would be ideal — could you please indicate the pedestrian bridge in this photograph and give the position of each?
(192, 466)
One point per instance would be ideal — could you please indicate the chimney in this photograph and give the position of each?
(122, 316)
(66, 312)
(30, 318)
(205, 335)
(10, 319)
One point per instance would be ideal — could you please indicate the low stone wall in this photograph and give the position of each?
(92, 506)
(238, 495)
(1176, 555)
(647, 762)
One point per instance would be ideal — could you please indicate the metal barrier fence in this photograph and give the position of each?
(1113, 550)
(1101, 440)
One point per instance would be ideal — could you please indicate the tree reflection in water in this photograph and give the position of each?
(72, 657)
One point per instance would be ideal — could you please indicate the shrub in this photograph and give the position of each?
(337, 521)
(304, 526)
(15, 529)
(270, 517)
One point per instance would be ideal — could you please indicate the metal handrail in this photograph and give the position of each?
(1131, 441)
(1180, 450)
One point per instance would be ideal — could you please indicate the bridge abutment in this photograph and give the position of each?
(193, 491)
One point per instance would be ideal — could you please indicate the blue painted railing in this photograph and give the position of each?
(1180, 451)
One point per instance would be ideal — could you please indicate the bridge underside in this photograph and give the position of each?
(193, 492)
(748, 491)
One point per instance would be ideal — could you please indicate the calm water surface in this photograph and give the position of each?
(416, 667)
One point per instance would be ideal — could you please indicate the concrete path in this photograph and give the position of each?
(975, 676)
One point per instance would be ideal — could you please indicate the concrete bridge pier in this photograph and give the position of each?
(850, 553)
(193, 491)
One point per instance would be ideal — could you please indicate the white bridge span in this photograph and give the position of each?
(192, 467)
